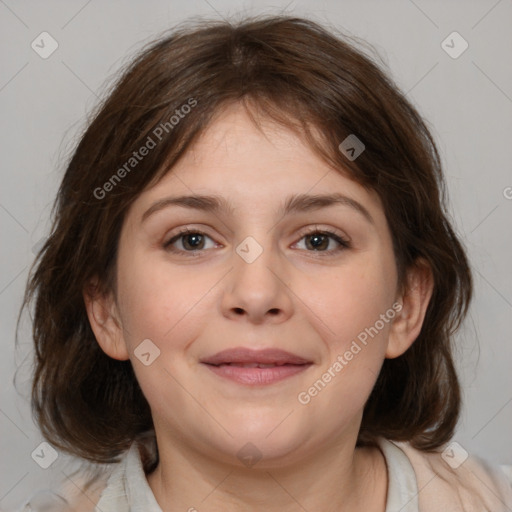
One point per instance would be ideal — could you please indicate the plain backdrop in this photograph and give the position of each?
(467, 102)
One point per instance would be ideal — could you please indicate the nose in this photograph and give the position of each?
(256, 290)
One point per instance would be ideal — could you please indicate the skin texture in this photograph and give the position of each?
(291, 297)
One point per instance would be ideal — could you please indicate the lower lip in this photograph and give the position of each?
(257, 376)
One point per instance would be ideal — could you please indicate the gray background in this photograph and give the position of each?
(467, 102)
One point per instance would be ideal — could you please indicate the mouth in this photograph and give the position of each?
(256, 367)
(253, 365)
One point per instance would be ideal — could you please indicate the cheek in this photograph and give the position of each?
(356, 312)
(166, 308)
(158, 303)
(351, 299)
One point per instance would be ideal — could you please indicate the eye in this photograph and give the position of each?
(191, 241)
(319, 241)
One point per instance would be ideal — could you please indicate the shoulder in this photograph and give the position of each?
(79, 492)
(450, 477)
(116, 487)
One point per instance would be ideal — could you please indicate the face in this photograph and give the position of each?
(318, 282)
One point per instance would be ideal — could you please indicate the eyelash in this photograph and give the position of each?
(344, 243)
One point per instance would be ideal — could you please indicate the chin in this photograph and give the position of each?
(270, 445)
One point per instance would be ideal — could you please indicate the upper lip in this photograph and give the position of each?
(245, 355)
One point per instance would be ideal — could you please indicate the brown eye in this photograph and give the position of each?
(317, 241)
(320, 241)
(193, 241)
(188, 241)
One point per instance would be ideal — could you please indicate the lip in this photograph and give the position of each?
(233, 364)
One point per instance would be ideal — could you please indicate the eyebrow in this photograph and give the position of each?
(297, 203)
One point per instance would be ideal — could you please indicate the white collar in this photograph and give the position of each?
(127, 488)
(402, 483)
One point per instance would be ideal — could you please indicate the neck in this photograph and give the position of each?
(338, 478)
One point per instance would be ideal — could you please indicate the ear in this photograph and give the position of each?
(415, 298)
(104, 319)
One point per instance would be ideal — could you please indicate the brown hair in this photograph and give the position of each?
(304, 77)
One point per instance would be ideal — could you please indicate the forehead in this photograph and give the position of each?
(253, 144)
(254, 164)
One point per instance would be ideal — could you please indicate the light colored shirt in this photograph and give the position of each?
(417, 481)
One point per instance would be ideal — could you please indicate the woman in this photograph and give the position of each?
(251, 287)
